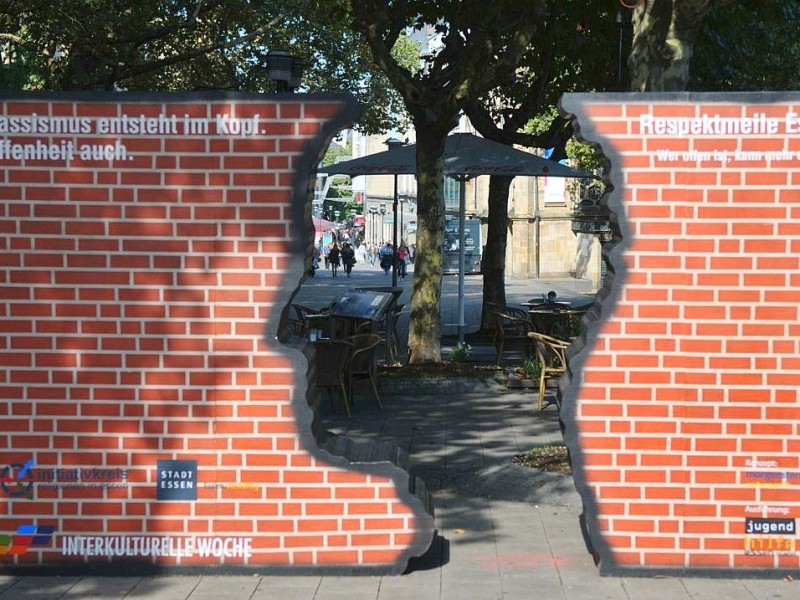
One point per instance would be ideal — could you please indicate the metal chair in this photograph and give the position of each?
(332, 359)
(553, 359)
(363, 362)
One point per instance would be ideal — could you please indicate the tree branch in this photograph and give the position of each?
(28, 45)
(127, 72)
(381, 35)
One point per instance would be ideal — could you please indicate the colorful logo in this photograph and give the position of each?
(27, 536)
(16, 480)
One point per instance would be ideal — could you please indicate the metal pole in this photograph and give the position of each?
(619, 59)
(394, 233)
(537, 217)
(462, 212)
(401, 220)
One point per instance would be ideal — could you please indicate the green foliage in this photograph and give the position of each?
(460, 353)
(336, 152)
(190, 45)
(532, 367)
(584, 155)
(749, 45)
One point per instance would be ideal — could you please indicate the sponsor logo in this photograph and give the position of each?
(769, 537)
(770, 478)
(250, 487)
(18, 480)
(26, 537)
(149, 546)
(769, 545)
(767, 472)
(769, 526)
(176, 480)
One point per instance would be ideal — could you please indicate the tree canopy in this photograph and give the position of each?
(749, 45)
(189, 45)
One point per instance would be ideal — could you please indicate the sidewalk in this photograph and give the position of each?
(504, 531)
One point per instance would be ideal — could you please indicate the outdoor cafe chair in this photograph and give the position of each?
(510, 324)
(307, 318)
(551, 353)
(332, 359)
(363, 363)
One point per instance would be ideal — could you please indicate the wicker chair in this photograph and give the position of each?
(553, 359)
(510, 324)
(306, 319)
(363, 362)
(332, 359)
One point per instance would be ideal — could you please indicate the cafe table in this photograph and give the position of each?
(556, 319)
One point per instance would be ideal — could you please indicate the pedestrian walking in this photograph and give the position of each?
(333, 258)
(387, 257)
(361, 253)
(326, 253)
(314, 261)
(402, 257)
(348, 258)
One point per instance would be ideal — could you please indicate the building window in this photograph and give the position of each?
(451, 188)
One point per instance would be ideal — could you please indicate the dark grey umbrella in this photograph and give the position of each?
(465, 156)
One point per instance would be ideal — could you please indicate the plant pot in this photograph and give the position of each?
(516, 381)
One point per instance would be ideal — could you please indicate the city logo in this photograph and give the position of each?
(176, 480)
(26, 537)
(16, 480)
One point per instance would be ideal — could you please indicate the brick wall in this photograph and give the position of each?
(683, 413)
(149, 245)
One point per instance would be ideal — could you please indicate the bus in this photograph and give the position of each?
(472, 245)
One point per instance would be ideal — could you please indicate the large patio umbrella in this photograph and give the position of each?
(465, 156)
(322, 224)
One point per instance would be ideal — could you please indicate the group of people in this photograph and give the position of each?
(346, 256)
(334, 257)
(405, 255)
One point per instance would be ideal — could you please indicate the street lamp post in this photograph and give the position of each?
(373, 213)
(393, 143)
(402, 205)
(382, 211)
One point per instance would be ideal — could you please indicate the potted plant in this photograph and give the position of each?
(525, 376)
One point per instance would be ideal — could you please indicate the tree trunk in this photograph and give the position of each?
(493, 264)
(424, 334)
(664, 33)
